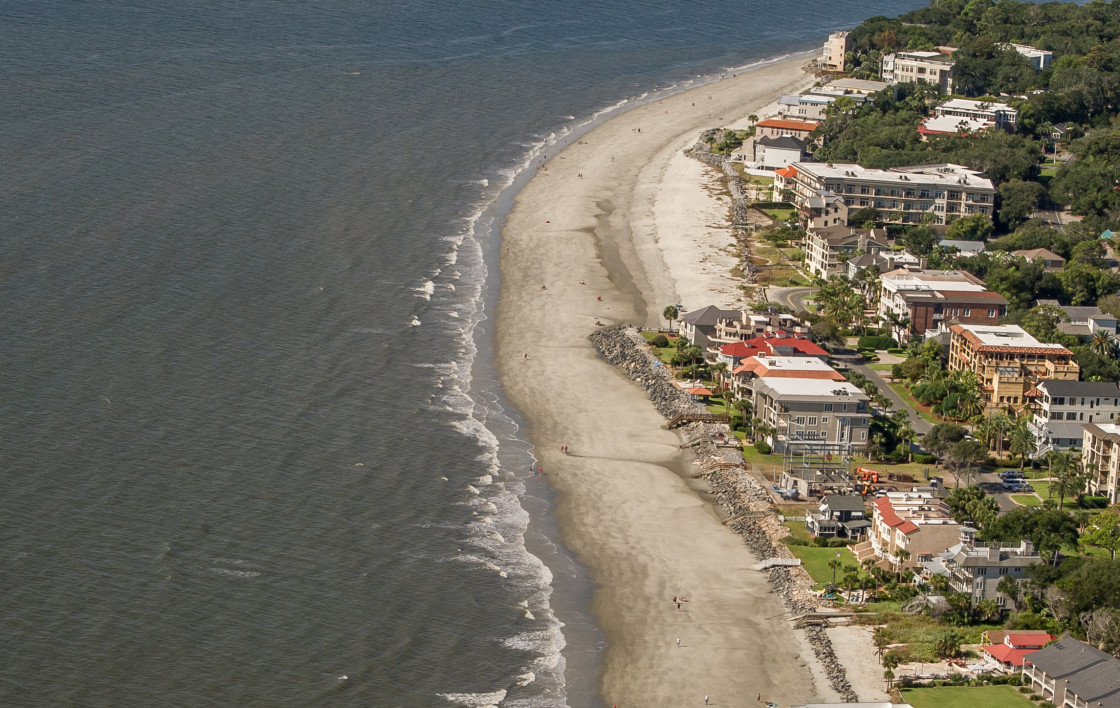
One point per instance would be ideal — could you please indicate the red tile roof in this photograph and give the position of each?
(1005, 654)
(787, 124)
(789, 171)
(1025, 640)
(699, 391)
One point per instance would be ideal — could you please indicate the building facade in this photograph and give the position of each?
(902, 194)
(1007, 361)
(1100, 457)
(1072, 674)
(777, 127)
(976, 569)
(1000, 115)
(835, 50)
(917, 522)
(924, 67)
(827, 249)
(832, 412)
(1061, 407)
(933, 298)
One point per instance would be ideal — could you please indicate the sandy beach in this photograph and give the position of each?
(642, 226)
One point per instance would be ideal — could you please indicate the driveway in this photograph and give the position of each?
(993, 486)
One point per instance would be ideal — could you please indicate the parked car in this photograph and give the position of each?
(1020, 487)
(1007, 474)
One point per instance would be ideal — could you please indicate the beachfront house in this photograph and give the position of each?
(833, 413)
(837, 516)
(762, 365)
(1072, 674)
(1009, 648)
(975, 569)
(733, 353)
(749, 324)
(1061, 407)
(1100, 456)
(902, 194)
(861, 88)
(1008, 362)
(915, 521)
(699, 326)
(769, 153)
(806, 106)
(777, 127)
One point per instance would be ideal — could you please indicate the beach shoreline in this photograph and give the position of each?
(604, 233)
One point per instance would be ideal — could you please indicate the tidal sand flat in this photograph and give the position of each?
(595, 236)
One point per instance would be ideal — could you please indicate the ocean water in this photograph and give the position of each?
(251, 448)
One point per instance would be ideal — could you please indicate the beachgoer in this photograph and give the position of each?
(678, 607)
(705, 700)
(674, 598)
(678, 641)
(758, 698)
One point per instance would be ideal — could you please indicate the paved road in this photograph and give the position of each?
(993, 485)
(854, 361)
(793, 298)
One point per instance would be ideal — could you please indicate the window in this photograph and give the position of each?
(1003, 571)
(824, 419)
(991, 313)
(812, 421)
(844, 407)
(799, 420)
(967, 312)
(863, 435)
(1071, 415)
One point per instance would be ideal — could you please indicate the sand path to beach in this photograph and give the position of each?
(614, 211)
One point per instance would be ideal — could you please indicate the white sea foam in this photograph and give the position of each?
(426, 290)
(485, 480)
(475, 700)
(415, 322)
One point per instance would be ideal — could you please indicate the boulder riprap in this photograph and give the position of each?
(749, 508)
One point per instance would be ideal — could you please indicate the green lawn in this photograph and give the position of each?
(880, 367)
(1043, 491)
(1026, 499)
(778, 214)
(965, 697)
(920, 632)
(816, 560)
(923, 411)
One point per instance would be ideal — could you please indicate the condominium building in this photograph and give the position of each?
(916, 521)
(1072, 674)
(925, 67)
(827, 249)
(1100, 456)
(761, 366)
(932, 298)
(805, 107)
(812, 409)
(1061, 408)
(901, 194)
(975, 568)
(999, 115)
(777, 127)
(834, 51)
(1007, 361)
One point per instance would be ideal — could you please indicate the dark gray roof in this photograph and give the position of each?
(843, 502)
(856, 524)
(1081, 313)
(1098, 685)
(962, 245)
(708, 315)
(1102, 389)
(787, 142)
(1067, 657)
(864, 260)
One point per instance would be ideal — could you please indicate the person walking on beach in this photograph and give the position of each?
(678, 642)
(705, 700)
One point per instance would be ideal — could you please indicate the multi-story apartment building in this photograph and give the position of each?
(975, 568)
(804, 409)
(827, 249)
(1100, 457)
(1000, 115)
(901, 194)
(1072, 674)
(834, 51)
(1007, 361)
(804, 107)
(916, 521)
(1062, 407)
(926, 67)
(932, 298)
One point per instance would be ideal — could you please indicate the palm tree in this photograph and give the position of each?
(835, 565)
(1065, 468)
(908, 435)
(898, 325)
(1000, 422)
(670, 313)
(970, 403)
(1022, 442)
(903, 555)
(879, 639)
(1103, 344)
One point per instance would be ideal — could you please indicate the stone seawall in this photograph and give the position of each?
(750, 511)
